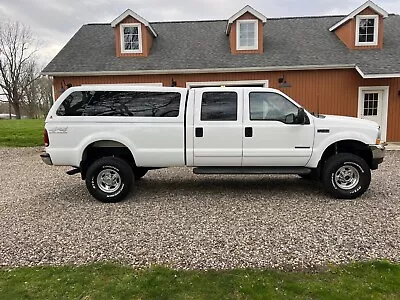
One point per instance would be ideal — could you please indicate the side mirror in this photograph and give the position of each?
(301, 116)
(289, 119)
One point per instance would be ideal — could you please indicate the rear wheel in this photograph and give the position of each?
(109, 179)
(346, 176)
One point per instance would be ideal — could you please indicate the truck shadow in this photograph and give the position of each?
(244, 188)
(290, 185)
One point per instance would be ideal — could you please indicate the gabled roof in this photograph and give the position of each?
(134, 15)
(203, 47)
(355, 12)
(241, 12)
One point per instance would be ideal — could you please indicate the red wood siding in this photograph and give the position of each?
(333, 91)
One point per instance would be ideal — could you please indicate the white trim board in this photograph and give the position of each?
(376, 76)
(227, 83)
(355, 12)
(385, 105)
(202, 71)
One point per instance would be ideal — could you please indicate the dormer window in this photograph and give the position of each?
(131, 38)
(247, 35)
(367, 30)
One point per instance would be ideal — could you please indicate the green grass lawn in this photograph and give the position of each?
(21, 133)
(375, 280)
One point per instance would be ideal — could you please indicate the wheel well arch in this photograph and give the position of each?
(347, 146)
(103, 148)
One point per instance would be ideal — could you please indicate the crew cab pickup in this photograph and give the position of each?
(114, 135)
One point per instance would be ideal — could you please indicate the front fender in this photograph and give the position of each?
(322, 142)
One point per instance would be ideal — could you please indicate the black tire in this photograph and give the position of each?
(113, 169)
(139, 172)
(314, 175)
(346, 187)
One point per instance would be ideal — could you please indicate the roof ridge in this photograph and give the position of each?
(221, 20)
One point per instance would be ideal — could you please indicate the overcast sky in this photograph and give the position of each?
(54, 22)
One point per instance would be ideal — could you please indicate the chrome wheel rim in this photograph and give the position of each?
(108, 181)
(347, 177)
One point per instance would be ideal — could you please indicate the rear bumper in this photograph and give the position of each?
(46, 158)
(378, 153)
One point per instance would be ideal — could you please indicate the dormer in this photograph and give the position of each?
(362, 28)
(133, 35)
(246, 31)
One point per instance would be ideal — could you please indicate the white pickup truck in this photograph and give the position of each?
(115, 135)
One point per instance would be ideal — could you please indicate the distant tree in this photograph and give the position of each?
(17, 58)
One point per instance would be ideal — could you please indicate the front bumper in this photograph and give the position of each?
(46, 158)
(378, 153)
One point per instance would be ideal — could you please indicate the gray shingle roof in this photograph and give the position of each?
(289, 42)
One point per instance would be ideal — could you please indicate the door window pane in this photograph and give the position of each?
(371, 101)
(270, 107)
(219, 106)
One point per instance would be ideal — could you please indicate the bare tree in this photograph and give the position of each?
(17, 56)
(44, 95)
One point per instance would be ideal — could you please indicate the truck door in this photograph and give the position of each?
(218, 127)
(271, 136)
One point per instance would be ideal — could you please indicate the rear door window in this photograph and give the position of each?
(219, 106)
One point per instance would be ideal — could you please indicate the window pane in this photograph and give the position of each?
(270, 106)
(74, 104)
(247, 34)
(370, 38)
(219, 106)
(137, 104)
(370, 30)
(131, 38)
(371, 22)
(131, 30)
(362, 38)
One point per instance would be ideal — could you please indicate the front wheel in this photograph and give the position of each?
(346, 176)
(109, 179)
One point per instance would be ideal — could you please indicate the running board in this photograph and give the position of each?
(251, 170)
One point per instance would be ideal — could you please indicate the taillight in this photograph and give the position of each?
(46, 138)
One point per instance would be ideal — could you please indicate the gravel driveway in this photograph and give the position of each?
(182, 220)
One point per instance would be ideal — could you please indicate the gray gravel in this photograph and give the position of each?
(181, 220)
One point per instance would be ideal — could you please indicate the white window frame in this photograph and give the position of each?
(238, 47)
(139, 27)
(226, 83)
(376, 28)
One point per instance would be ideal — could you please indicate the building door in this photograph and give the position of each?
(373, 105)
